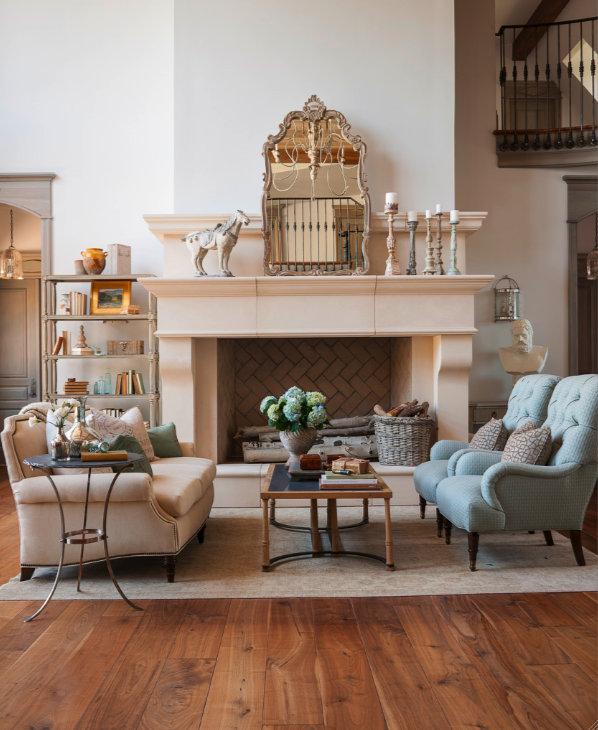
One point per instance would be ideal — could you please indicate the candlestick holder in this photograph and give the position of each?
(411, 270)
(392, 265)
(453, 270)
(439, 266)
(430, 269)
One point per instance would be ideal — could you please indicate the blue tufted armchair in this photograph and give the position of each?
(484, 494)
(528, 402)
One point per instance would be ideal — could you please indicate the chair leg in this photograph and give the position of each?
(26, 573)
(548, 537)
(201, 534)
(531, 532)
(575, 537)
(439, 523)
(422, 507)
(170, 565)
(473, 539)
(448, 526)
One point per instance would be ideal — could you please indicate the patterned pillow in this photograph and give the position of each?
(129, 424)
(529, 446)
(491, 437)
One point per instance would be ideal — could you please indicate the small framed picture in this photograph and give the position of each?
(109, 297)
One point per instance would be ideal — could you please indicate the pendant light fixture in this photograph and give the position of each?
(11, 263)
(592, 262)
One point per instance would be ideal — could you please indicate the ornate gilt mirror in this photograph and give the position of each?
(315, 203)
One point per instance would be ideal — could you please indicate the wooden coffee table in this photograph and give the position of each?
(278, 485)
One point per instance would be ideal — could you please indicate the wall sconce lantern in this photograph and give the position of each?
(11, 263)
(506, 300)
(592, 262)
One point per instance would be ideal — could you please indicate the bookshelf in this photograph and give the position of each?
(50, 335)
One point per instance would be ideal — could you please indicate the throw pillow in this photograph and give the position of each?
(491, 437)
(129, 424)
(122, 442)
(530, 446)
(164, 441)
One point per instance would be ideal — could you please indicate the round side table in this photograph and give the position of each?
(85, 535)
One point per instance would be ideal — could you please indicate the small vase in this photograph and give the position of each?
(94, 261)
(297, 443)
(60, 448)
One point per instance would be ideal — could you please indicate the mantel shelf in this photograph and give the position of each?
(144, 396)
(98, 317)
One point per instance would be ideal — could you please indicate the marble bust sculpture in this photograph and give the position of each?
(523, 357)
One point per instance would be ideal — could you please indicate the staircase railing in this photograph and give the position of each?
(548, 86)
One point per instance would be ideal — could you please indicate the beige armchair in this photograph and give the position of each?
(147, 516)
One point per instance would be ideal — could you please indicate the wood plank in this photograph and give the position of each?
(293, 727)
(506, 676)
(547, 11)
(580, 607)
(201, 631)
(121, 700)
(466, 700)
(18, 636)
(407, 698)
(236, 698)
(544, 611)
(179, 696)
(592, 594)
(348, 690)
(10, 609)
(523, 637)
(579, 644)
(40, 663)
(292, 694)
(64, 698)
(571, 687)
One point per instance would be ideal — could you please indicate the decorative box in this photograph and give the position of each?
(119, 259)
(310, 462)
(124, 347)
(355, 466)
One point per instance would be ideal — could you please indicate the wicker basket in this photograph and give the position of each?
(403, 441)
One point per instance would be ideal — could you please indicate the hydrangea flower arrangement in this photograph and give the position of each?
(296, 409)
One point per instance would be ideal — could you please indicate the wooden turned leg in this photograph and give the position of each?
(26, 573)
(473, 539)
(448, 526)
(170, 565)
(531, 532)
(422, 507)
(548, 537)
(575, 537)
(201, 534)
(272, 510)
(316, 545)
(333, 517)
(265, 537)
(366, 510)
(439, 523)
(390, 565)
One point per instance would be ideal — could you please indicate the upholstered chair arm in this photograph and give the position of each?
(135, 487)
(472, 461)
(445, 449)
(540, 497)
(187, 448)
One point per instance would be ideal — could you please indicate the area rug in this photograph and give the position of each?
(228, 564)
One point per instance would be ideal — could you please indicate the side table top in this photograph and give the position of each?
(47, 462)
(278, 485)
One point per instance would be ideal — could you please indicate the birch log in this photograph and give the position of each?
(363, 447)
(245, 432)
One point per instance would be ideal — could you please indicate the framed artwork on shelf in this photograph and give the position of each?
(109, 297)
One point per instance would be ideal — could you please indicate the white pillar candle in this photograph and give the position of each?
(392, 199)
(412, 215)
(454, 216)
(438, 208)
(428, 214)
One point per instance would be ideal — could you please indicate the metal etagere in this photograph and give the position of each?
(49, 338)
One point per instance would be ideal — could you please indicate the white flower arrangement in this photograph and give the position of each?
(57, 414)
(296, 409)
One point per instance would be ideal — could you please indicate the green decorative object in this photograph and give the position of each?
(128, 443)
(164, 441)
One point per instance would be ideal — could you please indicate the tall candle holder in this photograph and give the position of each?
(453, 270)
(430, 269)
(392, 265)
(411, 270)
(439, 266)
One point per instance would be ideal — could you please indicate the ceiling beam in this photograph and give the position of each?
(546, 12)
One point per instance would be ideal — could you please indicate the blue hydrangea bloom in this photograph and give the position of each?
(295, 393)
(292, 410)
(317, 416)
(314, 398)
(267, 402)
(274, 412)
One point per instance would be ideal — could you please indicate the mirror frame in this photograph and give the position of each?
(315, 110)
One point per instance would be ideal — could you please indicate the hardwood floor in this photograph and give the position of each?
(518, 662)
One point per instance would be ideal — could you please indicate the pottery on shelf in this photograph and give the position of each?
(79, 268)
(297, 443)
(94, 261)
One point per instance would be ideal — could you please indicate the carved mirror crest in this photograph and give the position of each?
(315, 203)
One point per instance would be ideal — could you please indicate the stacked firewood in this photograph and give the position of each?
(410, 409)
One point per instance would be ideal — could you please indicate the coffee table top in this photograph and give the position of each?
(47, 462)
(278, 485)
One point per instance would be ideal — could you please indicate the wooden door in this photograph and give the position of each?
(587, 320)
(20, 360)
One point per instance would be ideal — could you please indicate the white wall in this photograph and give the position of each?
(387, 65)
(525, 234)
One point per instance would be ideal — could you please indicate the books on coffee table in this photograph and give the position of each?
(330, 480)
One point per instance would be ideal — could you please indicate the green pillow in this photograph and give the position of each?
(128, 443)
(164, 441)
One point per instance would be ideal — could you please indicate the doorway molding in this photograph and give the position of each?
(581, 203)
(32, 192)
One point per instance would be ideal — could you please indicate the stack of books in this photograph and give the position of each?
(74, 387)
(114, 412)
(331, 480)
(78, 303)
(129, 383)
